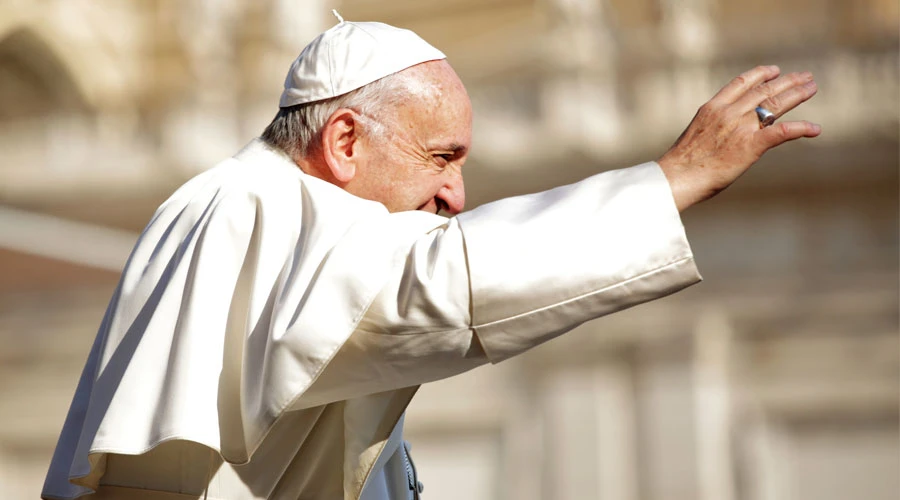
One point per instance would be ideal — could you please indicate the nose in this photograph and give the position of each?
(453, 194)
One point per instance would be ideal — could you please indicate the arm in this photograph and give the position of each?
(510, 275)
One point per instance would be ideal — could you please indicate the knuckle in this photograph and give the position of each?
(709, 112)
(767, 90)
(740, 80)
(783, 131)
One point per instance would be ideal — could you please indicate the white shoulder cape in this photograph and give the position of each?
(231, 303)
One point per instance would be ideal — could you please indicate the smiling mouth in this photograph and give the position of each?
(439, 205)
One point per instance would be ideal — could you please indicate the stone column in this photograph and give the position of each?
(580, 107)
(712, 410)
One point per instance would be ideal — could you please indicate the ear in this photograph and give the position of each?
(340, 144)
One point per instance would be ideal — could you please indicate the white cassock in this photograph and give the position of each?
(269, 328)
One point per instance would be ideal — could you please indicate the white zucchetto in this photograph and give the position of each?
(350, 55)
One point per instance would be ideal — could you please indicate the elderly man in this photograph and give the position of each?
(280, 310)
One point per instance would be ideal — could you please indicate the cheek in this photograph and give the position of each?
(401, 182)
(410, 193)
(396, 192)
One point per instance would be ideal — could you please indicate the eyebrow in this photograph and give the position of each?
(453, 147)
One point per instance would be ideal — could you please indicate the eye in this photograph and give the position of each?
(444, 158)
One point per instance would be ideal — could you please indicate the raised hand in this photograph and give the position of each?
(725, 137)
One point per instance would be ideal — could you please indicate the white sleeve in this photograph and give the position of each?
(507, 276)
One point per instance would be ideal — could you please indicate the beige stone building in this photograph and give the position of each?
(776, 379)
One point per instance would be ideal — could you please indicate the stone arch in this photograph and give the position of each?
(95, 65)
(47, 118)
(34, 82)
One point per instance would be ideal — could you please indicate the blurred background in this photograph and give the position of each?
(777, 378)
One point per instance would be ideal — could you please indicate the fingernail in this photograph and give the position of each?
(775, 69)
(811, 85)
(817, 128)
(807, 75)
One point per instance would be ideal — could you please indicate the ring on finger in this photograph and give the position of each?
(765, 116)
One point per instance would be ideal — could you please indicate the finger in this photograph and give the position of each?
(790, 98)
(769, 90)
(787, 131)
(741, 84)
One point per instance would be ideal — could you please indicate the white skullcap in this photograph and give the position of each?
(351, 55)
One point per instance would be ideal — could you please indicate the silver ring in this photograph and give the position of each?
(765, 116)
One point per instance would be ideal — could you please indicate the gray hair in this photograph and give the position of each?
(296, 130)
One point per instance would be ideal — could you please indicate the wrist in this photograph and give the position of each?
(676, 173)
